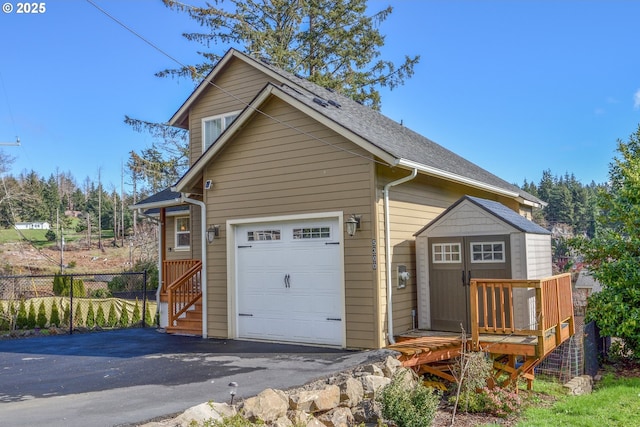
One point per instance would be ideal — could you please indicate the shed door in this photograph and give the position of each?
(453, 262)
(289, 282)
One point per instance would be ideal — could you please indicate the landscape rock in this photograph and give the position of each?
(267, 406)
(316, 400)
(372, 385)
(367, 411)
(390, 366)
(372, 370)
(338, 417)
(351, 392)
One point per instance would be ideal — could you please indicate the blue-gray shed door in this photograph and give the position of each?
(453, 261)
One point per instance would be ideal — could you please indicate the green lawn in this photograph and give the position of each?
(615, 401)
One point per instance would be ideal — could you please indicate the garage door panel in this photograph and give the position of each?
(291, 286)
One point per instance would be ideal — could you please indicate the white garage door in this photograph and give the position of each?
(289, 282)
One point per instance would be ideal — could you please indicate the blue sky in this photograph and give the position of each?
(517, 87)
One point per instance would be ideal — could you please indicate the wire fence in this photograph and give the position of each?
(76, 302)
(581, 354)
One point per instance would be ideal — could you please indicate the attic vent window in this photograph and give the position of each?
(321, 101)
(335, 103)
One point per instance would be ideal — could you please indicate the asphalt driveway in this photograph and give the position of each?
(129, 376)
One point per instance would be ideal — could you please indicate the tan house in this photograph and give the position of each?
(296, 219)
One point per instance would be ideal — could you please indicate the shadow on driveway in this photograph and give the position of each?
(80, 363)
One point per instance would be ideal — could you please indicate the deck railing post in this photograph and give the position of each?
(475, 336)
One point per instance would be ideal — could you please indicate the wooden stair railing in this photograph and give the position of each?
(184, 292)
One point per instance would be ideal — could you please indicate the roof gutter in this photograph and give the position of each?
(457, 178)
(387, 250)
(203, 242)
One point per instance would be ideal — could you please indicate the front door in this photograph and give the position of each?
(453, 261)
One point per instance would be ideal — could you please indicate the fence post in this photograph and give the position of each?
(70, 304)
(144, 299)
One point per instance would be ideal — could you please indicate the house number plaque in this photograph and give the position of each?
(374, 254)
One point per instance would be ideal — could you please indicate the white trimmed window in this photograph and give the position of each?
(311, 233)
(487, 252)
(262, 235)
(446, 253)
(183, 232)
(213, 126)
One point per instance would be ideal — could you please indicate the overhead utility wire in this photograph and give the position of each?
(226, 92)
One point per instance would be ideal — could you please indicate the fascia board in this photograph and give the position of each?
(457, 178)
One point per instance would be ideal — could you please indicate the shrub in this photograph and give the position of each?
(100, 320)
(62, 285)
(91, 316)
(471, 370)
(4, 318)
(100, 293)
(31, 317)
(414, 407)
(78, 316)
(148, 318)
(124, 317)
(50, 235)
(55, 315)
(497, 401)
(135, 317)
(112, 317)
(21, 318)
(41, 320)
(66, 315)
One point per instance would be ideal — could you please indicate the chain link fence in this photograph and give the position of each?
(76, 302)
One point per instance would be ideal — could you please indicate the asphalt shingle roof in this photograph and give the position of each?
(509, 216)
(386, 134)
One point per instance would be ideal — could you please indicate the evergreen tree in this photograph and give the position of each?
(135, 318)
(91, 317)
(4, 318)
(31, 316)
(613, 254)
(55, 314)
(41, 320)
(333, 43)
(124, 316)
(66, 315)
(148, 320)
(78, 316)
(112, 317)
(21, 319)
(100, 320)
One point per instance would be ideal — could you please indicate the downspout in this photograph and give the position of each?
(203, 241)
(387, 250)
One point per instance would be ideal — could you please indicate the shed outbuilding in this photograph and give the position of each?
(477, 238)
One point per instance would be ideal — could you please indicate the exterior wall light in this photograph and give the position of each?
(352, 224)
(212, 233)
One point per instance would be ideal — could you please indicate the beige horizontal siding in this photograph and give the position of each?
(270, 170)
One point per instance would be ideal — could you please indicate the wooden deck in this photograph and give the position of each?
(515, 351)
